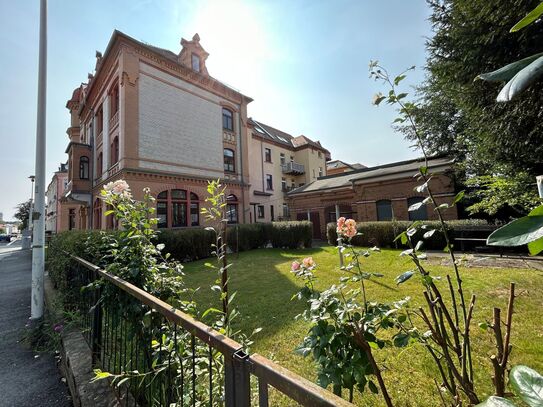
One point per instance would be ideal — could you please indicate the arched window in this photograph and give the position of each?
(194, 210)
(232, 208)
(384, 209)
(162, 209)
(84, 167)
(229, 160)
(420, 213)
(115, 150)
(173, 209)
(97, 214)
(227, 119)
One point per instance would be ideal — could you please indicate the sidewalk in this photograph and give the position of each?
(25, 380)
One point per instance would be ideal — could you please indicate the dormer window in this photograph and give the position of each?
(195, 62)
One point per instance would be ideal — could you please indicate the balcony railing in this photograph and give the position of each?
(114, 169)
(189, 353)
(293, 168)
(114, 121)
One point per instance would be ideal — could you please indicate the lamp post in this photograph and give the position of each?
(38, 233)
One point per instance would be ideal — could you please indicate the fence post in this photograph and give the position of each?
(96, 333)
(237, 380)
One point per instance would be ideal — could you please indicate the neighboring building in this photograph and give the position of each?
(157, 119)
(339, 167)
(58, 210)
(278, 163)
(372, 194)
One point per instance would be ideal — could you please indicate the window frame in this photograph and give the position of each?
(269, 182)
(232, 207)
(84, 167)
(260, 211)
(379, 203)
(267, 155)
(227, 115)
(195, 57)
(229, 166)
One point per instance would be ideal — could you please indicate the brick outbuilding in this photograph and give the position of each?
(383, 192)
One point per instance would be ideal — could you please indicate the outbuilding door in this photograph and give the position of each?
(315, 219)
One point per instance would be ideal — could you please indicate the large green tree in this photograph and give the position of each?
(23, 212)
(460, 116)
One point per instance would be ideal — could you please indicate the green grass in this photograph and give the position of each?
(265, 286)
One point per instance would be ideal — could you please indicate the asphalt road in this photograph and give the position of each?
(25, 380)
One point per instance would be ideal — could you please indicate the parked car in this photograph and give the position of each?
(5, 238)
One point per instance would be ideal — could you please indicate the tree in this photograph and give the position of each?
(460, 117)
(23, 211)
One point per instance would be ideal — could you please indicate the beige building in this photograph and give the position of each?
(278, 163)
(158, 119)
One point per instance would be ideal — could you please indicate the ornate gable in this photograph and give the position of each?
(192, 55)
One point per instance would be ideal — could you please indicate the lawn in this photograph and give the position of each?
(265, 286)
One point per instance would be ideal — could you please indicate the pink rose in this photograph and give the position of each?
(340, 223)
(308, 262)
(350, 232)
(295, 266)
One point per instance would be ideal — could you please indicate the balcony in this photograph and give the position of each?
(293, 168)
(114, 121)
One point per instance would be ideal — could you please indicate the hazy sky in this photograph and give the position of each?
(305, 64)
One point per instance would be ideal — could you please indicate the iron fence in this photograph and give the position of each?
(166, 357)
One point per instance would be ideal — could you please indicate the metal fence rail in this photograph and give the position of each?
(177, 359)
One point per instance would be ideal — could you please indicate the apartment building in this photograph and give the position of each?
(59, 215)
(279, 163)
(158, 119)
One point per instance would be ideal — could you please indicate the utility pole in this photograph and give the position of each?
(38, 252)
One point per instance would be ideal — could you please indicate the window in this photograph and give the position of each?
(195, 59)
(98, 214)
(269, 182)
(229, 162)
(285, 210)
(162, 209)
(174, 209)
(283, 184)
(71, 219)
(99, 164)
(260, 211)
(282, 158)
(114, 101)
(227, 119)
(84, 167)
(420, 213)
(194, 210)
(384, 209)
(272, 214)
(320, 171)
(232, 208)
(99, 120)
(267, 155)
(115, 150)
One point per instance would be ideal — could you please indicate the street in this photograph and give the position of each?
(27, 378)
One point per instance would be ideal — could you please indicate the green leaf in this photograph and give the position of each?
(507, 72)
(373, 388)
(402, 278)
(528, 384)
(398, 79)
(529, 18)
(415, 207)
(494, 401)
(519, 232)
(536, 246)
(459, 196)
(521, 81)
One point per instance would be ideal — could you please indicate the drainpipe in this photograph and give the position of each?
(91, 217)
(241, 165)
(340, 242)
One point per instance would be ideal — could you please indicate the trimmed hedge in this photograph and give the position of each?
(382, 234)
(187, 244)
(292, 235)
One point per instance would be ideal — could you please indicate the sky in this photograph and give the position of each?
(304, 62)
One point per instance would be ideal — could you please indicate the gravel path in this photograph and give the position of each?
(27, 378)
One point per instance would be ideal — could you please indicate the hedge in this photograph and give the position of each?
(187, 244)
(292, 235)
(383, 233)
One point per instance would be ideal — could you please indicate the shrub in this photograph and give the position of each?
(247, 236)
(187, 244)
(291, 235)
(382, 234)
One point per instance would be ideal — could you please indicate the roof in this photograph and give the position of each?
(341, 164)
(161, 51)
(372, 174)
(271, 133)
